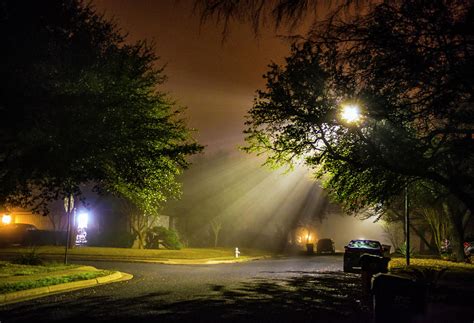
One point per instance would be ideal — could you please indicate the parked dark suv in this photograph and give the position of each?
(325, 245)
(15, 233)
(356, 248)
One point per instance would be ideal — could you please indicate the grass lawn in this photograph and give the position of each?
(15, 277)
(8, 269)
(418, 263)
(162, 254)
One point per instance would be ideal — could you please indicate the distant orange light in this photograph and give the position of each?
(6, 219)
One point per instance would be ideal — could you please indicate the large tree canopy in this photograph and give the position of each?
(80, 105)
(408, 65)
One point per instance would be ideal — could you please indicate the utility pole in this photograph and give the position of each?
(407, 226)
(68, 205)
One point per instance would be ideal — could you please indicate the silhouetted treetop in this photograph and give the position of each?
(80, 105)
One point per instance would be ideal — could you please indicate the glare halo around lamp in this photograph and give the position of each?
(82, 220)
(6, 219)
(350, 113)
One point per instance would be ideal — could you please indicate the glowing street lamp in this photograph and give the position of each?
(6, 219)
(82, 220)
(350, 113)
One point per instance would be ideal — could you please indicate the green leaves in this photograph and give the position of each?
(401, 62)
(80, 106)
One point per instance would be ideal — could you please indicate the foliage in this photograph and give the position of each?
(79, 105)
(285, 13)
(139, 221)
(161, 235)
(31, 258)
(413, 115)
(402, 250)
(405, 64)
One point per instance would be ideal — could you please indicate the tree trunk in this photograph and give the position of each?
(139, 238)
(417, 232)
(457, 236)
(216, 238)
(456, 229)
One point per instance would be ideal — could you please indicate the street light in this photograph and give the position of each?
(6, 219)
(82, 220)
(350, 113)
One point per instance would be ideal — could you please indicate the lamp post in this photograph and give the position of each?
(68, 206)
(407, 227)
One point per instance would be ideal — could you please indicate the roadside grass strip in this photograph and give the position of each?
(8, 269)
(435, 264)
(7, 287)
(185, 253)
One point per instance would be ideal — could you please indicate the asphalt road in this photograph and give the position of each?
(282, 290)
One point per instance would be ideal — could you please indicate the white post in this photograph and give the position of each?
(237, 252)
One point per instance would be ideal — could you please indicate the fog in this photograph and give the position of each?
(258, 206)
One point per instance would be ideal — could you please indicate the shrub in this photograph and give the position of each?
(402, 250)
(30, 258)
(161, 235)
(117, 239)
(45, 238)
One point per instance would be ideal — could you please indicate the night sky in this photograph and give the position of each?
(215, 80)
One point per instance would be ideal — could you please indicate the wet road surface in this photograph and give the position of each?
(276, 290)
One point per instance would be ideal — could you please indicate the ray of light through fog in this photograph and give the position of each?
(217, 82)
(253, 203)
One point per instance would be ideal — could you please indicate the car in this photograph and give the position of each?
(325, 245)
(15, 233)
(356, 248)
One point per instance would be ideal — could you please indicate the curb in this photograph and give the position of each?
(193, 262)
(28, 294)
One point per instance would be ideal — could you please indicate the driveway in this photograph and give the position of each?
(292, 289)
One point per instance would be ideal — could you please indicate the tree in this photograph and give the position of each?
(79, 105)
(408, 65)
(283, 13)
(138, 221)
(157, 236)
(216, 227)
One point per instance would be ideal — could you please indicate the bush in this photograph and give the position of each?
(117, 239)
(160, 235)
(45, 238)
(402, 250)
(30, 258)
